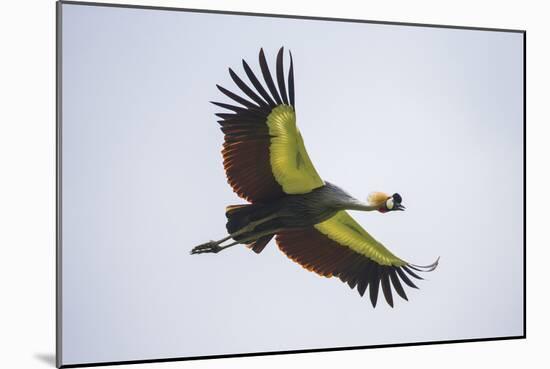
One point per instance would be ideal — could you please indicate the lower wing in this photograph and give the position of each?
(340, 247)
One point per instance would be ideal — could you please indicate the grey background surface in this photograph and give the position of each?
(435, 114)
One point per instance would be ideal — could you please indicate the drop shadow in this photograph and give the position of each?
(46, 358)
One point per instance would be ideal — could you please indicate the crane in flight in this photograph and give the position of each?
(266, 163)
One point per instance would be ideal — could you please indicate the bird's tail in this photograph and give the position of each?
(239, 216)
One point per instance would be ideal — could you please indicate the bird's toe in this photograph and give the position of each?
(208, 247)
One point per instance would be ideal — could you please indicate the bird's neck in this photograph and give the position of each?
(354, 204)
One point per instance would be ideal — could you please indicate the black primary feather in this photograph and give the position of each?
(397, 284)
(258, 85)
(244, 88)
(291, 82)
(237, 98)
(281, 75)
(268, 79)
(386, 287)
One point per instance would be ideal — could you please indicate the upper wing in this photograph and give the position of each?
(340, 247)
(264, 154)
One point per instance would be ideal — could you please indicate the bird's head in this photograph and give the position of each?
(386, 203)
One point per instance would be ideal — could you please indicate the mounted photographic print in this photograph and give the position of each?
(238, 184)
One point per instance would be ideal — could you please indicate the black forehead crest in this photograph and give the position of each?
(397, 198)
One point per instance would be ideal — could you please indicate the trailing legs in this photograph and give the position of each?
(215, 246)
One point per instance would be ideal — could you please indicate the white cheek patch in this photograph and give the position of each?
(389, 203)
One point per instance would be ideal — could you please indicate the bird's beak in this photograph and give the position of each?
(400, 207)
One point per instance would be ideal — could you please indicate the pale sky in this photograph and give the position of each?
(434, 114)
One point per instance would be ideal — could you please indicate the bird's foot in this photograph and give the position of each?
(208, 247)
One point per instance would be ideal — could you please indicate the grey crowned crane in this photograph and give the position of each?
(266, 163)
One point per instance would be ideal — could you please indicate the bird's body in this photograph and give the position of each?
(267, 164)
(316, 206)
(304, 210)
(290, 211)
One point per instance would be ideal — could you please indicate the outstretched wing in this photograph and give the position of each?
(340, 247)
(264, 154)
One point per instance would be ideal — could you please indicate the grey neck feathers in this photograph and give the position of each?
(354, 204)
